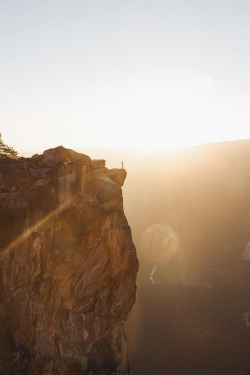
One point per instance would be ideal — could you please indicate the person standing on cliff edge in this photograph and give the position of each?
(122, 164)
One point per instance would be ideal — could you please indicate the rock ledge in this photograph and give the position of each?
(67, 266)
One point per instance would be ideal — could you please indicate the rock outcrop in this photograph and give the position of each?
(67, 266)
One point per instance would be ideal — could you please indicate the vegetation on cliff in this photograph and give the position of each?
(7, 152)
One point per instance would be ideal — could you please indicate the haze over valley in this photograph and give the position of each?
(189, 212)
(124, 187)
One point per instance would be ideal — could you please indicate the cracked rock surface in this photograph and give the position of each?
(67, 266)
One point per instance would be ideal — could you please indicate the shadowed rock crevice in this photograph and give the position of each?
(67, 266)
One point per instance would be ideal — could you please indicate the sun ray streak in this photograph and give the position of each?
(36, 226)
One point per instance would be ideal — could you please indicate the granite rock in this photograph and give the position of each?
(67, 266)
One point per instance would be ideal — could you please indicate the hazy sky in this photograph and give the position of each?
(119, 73)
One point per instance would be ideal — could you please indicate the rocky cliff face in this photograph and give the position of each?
(67, 266)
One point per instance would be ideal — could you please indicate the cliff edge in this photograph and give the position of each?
(67, 266)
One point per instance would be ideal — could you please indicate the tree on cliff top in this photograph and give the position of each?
(7, 152)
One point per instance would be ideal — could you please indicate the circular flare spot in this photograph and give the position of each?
(159, 243)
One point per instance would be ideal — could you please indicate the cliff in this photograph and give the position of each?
(67, 266)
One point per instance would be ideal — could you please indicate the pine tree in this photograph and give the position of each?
(7, 151)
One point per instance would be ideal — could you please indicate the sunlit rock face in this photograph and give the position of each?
(68, 266)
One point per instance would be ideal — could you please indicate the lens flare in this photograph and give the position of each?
(27, 233)
(159, 243)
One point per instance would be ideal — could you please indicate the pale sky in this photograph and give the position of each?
(134, 73)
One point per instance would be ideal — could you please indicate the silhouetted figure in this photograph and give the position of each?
(122, 164)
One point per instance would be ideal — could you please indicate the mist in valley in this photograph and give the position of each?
(114, 80)
(189, 212)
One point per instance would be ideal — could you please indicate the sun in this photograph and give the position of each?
(158, 135)
(160, 121)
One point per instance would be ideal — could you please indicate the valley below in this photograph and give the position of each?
(189, 211)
